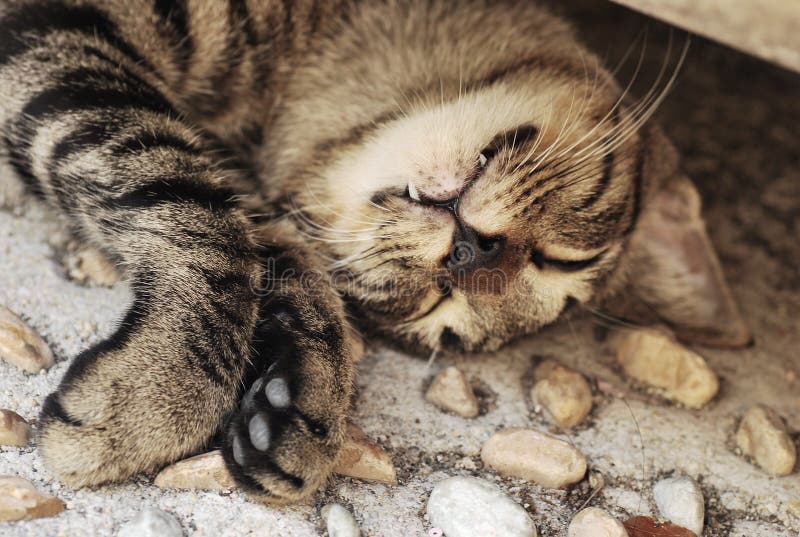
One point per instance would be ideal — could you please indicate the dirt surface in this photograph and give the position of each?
(736, 121)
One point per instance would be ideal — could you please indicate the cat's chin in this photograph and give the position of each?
(448, 342)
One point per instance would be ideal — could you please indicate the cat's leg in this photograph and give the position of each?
(282, 441)
(88, 123)
(95, 140)
(672, 272)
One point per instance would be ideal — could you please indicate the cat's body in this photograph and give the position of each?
(453, 174)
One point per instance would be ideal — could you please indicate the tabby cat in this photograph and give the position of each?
(273, 176)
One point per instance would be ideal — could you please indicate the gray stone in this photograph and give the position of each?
(468, 507)
(340, 522)
(680, 501)
(151, 522)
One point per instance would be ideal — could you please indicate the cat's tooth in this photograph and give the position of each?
(482, 160)
(277, 392)
(259, 431)
(413, 193)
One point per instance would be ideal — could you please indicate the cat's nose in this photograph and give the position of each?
(471, 250)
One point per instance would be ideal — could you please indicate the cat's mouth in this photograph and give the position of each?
(443, 292)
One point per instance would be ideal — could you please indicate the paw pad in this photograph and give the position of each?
(258, 428)
(277, 392)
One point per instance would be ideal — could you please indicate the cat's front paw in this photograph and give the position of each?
(283, 440)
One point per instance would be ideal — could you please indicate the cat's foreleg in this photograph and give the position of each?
(282, 441)
(106, 148)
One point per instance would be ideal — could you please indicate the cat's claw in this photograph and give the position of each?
(272, 446)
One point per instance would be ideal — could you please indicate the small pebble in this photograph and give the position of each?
(340, 522)
(644, 526)
(680, 501)
(596, 481)
(534, 456)
(467, 463)
(563, 393)
(626, 499)
(594, 522)
(364, 459)
(14, 430)
(655, 358)
(19, 500)
(20, 346)
(201, 472)
(468, 507)
(762, 435)
(91, 265)
(151, 522)
(451, 391)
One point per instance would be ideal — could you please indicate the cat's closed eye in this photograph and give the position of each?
(544, 262)
(511, 139)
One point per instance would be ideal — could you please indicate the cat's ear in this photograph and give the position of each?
(675, 271)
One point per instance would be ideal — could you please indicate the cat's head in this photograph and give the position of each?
(495, 203)
(476, 220)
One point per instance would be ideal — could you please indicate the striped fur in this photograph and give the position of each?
(224, 152)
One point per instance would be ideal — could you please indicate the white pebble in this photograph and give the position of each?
(340, 522)
(594, 522)
(534, 456)
(151, 522)
(468, 506)
(680, 501)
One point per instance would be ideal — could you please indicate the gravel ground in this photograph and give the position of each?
(737, 123)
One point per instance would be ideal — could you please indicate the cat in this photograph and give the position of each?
(276, 178)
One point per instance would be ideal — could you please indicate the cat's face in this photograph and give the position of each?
(469, 222)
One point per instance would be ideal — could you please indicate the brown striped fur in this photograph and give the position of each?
(453, 173)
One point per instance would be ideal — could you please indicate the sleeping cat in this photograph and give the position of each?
(274, 176)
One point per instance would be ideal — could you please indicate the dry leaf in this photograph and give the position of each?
(644, 526)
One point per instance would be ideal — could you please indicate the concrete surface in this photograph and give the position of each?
(737, 122)
(765, 28)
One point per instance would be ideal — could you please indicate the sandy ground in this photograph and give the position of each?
(737, 122)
